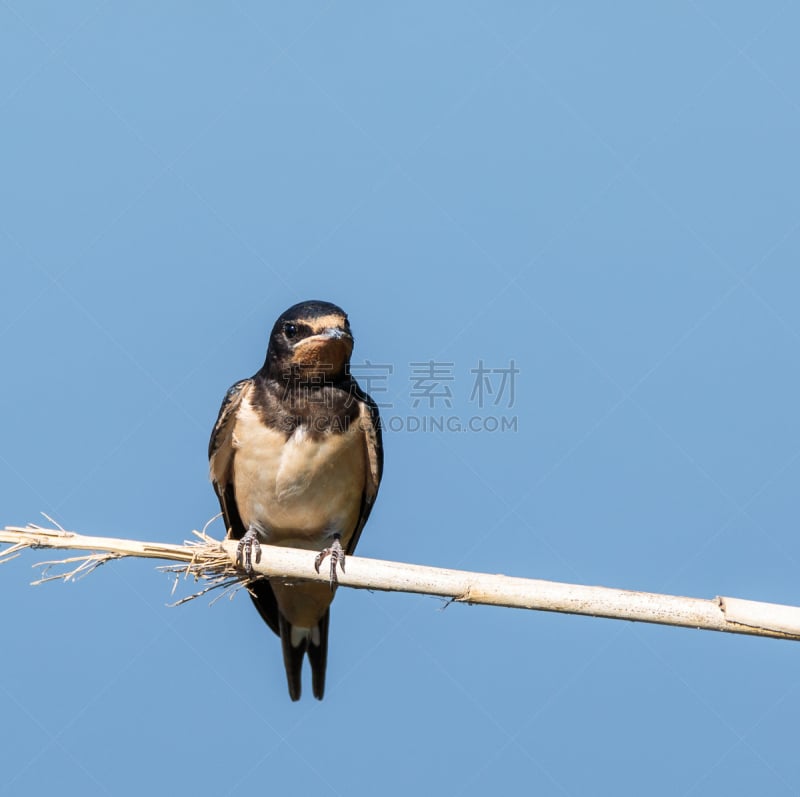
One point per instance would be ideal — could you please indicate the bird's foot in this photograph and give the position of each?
(336, 553)
(246, 549)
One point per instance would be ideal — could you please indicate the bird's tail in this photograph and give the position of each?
(296, 642)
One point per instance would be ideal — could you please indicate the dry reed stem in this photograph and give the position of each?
(212, 562)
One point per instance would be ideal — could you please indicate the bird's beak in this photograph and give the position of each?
(332, 333)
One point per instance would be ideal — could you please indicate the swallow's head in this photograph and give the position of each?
(310, 339)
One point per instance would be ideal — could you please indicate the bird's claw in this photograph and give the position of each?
(336, 553)
(245, 550)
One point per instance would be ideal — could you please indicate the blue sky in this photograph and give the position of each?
(603, 194)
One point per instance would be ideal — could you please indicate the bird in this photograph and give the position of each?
(296, 459)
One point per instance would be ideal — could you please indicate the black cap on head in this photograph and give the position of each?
(309, 310)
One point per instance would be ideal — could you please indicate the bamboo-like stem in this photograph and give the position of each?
(214, 561)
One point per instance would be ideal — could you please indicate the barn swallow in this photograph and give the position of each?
(296, 459)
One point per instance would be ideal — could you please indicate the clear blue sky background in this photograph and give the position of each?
(604, 193)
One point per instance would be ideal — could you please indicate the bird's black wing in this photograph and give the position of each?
(221, 451)
(370, 424)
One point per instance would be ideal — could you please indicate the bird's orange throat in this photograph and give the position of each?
(323, 357)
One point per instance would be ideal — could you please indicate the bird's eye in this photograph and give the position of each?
(290, 330)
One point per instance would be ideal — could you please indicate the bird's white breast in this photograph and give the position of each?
(299, 490)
